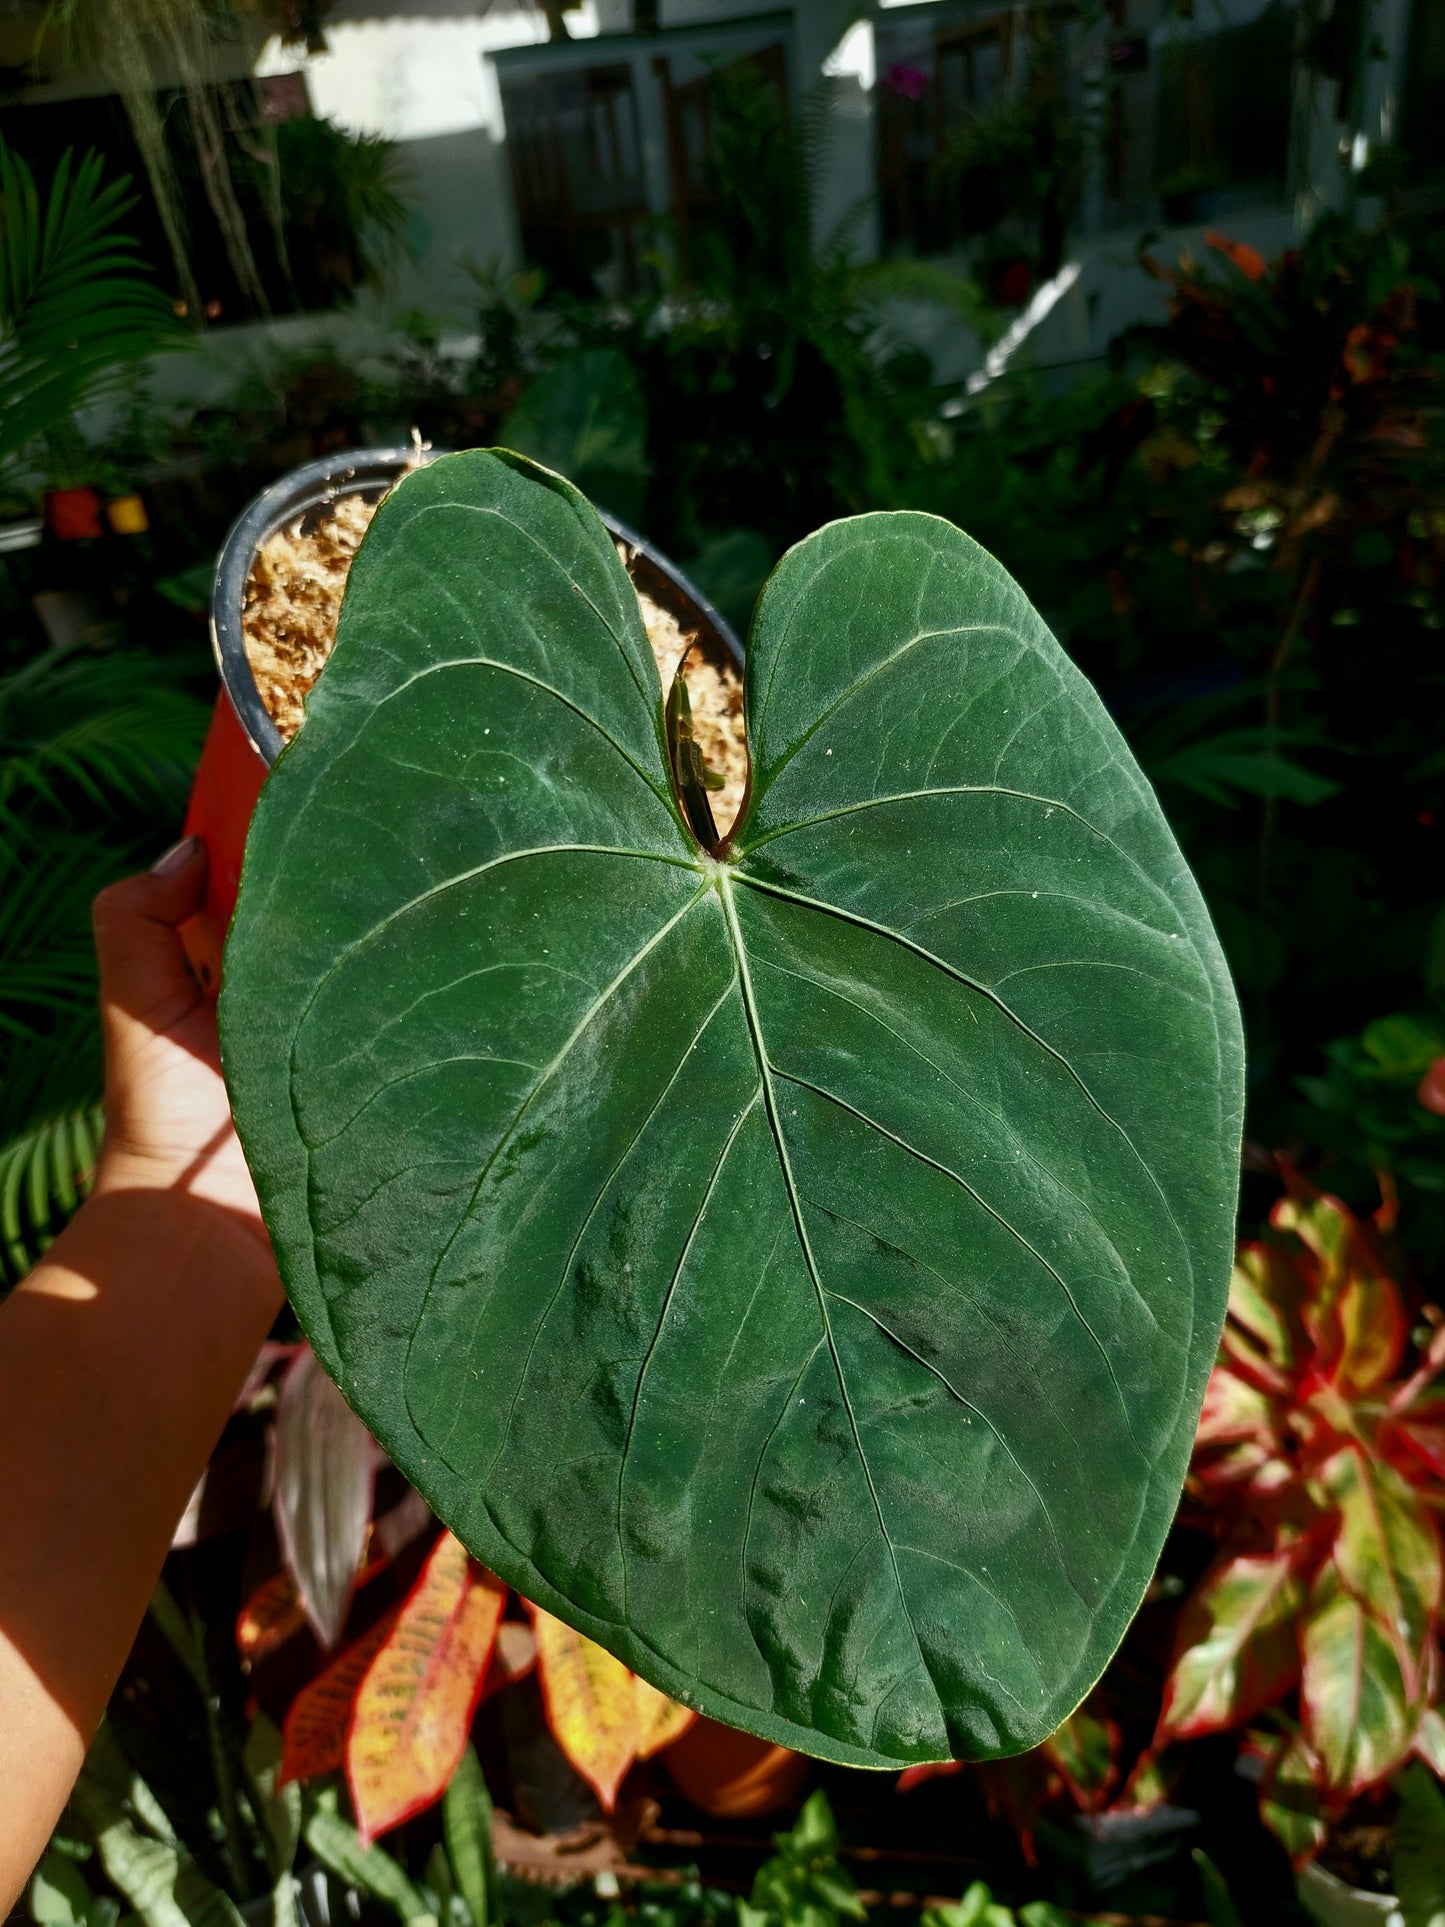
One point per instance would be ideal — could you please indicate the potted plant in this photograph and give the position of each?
(735, 1236)
(75, 310)
(245, 737)
(1311, 1632)
(73, 508)
(290, 537)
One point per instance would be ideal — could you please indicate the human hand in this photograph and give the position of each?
(167, 1117)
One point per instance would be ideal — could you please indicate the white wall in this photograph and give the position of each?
(425, 81)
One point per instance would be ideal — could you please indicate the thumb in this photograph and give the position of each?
(143, 972)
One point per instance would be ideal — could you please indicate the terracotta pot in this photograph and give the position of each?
(731, 1775)
(243, 742)
(74, 514)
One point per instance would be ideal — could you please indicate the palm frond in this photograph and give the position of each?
(45, 1172)
(82, 732)
(96, 754)
(75, 301)
(49, 1032)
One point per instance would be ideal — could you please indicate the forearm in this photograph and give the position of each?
(120, 1359)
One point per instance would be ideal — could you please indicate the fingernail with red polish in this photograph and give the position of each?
(176, 857)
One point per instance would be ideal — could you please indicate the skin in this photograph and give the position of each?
(121, 1356)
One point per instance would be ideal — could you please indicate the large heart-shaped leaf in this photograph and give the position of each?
(798, 1271)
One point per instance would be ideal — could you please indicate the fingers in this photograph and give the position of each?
(142, 963)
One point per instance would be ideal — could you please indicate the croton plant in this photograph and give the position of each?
(1319, 1467)
(792, 1258)
(1321, 1455)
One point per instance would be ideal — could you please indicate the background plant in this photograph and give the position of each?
(76, 303)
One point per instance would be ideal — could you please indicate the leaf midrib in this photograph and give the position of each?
(795, 1203)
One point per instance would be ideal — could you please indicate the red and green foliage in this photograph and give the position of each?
(1319, 1464)
(1319, 1469)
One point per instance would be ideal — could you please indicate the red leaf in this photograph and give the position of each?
(1235, 1649)
(1415, 1439)
(1353, 1312)
(268, 1618)
(1372, 1332)
(1151, 1784)
(1248, 260)
(1251, 1466)
(1321, 1222)
(314, 1731)
(1432, 1088)
(1264, 1338)
(913, 1776)
(413, 1708)
(1430, 1741)
(1017, 1789)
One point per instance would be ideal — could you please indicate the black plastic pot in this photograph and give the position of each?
(310, 490)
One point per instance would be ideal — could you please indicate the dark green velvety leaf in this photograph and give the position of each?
(799, 1271)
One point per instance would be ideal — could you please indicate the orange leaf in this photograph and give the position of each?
(414, 1707)
(591, 1702)
(314, 1731)
(268, 1618)
(1248, 260)
(660, 1720)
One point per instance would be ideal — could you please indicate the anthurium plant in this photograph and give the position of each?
(793, 1255)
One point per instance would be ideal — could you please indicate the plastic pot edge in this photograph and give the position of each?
(363, 471)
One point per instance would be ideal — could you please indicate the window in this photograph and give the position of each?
(577, 176)
(934, 81)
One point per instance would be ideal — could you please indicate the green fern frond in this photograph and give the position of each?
(44, 1175)
(926, 283)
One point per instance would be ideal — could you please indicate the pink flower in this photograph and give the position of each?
(909, 83)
